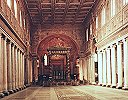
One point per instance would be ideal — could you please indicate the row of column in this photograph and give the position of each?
(87, 69)
(11, 66)
(90, 65)
(113, 65)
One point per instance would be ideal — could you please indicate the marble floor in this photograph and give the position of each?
(85, 92)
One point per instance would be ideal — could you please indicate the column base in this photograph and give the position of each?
(125, 88)
(104, 85)
(99, 84)
(1, 95)
(6, 93)
(108, 85)
(93, 83)
(17, 89)
(119, 87)
(11, 91)
(27, 85)
(20, 88)
(24, 87)
(14, 90)
(113, 86)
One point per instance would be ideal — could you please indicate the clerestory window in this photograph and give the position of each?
(125, 2)
(113, 8)
(9, 3)
(15, 8)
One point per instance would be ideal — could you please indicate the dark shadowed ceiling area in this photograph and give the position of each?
(58, 11)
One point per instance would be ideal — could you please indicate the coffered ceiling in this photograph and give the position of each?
(58, 11)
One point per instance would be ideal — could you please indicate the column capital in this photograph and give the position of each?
(113, 45)
(8, 41)
(100, 51)
(18, 49)
(15, 46)
(12, 44)
(104, 49)
(125, 39)
(109, 47)
(4, 37)
(120, 42)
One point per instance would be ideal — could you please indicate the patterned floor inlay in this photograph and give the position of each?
(43, 93)
(68, 93)
(87, 92)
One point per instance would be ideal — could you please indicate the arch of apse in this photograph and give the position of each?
(55, 41)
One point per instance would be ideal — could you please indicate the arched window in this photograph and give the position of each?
(90, 29)
(15, 8)
(9, 3)
(20, 18)
(87, 34)
(24, 23)
(96, 22)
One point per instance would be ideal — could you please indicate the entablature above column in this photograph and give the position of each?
(9, 39)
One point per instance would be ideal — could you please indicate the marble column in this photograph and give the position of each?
(5, 90)
(9, 67)
(80, 70)
(125, 46)
(90, 70)
(100, 68)
(104, 68)
(1, 67)
(16, 68)
(30, 71)
(23, 69)
(113, 64)
(27, 71)
(119, 64)
(85, 69)
(108, 67)
(13, 68)
(93, 69)
(19, 69)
